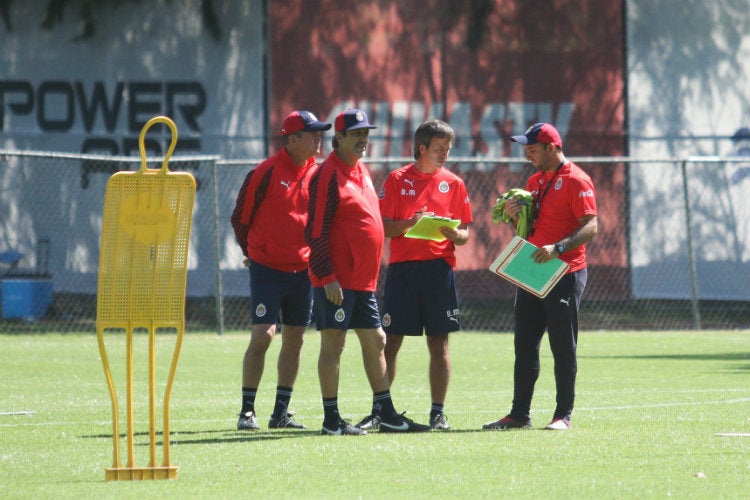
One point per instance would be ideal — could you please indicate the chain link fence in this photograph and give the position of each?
(672, 250)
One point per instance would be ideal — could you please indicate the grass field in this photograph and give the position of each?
(649, 413)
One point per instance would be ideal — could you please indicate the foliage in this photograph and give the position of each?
(87, 15)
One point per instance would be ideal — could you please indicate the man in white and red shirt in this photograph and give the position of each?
(564, 220)
(269, 224)
(420, 286)
(345, 234)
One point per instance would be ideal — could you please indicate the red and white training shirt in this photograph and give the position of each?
(271, 212)
(406, 191)
(566, 195)
(345, 230)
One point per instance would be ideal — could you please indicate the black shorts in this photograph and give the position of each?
(277, 296)
(359, 310)
(421, 296)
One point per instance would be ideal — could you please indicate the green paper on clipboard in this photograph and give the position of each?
(516, 265)
(428, 227)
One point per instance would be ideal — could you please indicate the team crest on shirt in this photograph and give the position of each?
(558, 184)
(261, 310)
(386, 319)
(443, 187)
(340, 315)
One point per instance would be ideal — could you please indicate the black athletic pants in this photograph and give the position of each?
(558, 314)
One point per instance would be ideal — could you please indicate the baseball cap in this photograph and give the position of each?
(539, 132)
(352, 119)
(302, 121)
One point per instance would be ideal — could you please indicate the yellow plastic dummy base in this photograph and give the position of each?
(140, 473)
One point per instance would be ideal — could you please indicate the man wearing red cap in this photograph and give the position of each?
(345, 234)
(564, 220)
(269, 223)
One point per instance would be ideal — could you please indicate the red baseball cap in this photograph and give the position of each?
(352, 119)
(539, 132)
(302, 121)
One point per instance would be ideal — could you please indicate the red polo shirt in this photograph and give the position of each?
(271, 212)
(566, 196)
(344, 230)
(406, 191)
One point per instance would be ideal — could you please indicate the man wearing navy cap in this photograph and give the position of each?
(345, 234)
(564, 220)
(269, 223)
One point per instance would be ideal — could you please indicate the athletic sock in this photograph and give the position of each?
(283, 395)
(436, 408)
(248, 399)
(382, 405)
(331, 415)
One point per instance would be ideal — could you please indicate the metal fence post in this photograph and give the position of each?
(691, 251)
(219, 295)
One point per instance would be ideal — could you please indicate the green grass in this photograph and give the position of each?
(648, 411)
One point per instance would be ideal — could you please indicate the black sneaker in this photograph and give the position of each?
(247, 422)
(439, 422)
(402, 424)
(284, 422)
(507, 423)
(343, 428)
(369, 423)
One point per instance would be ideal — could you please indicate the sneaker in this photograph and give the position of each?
(402, 424)
(439, 422)
(343, 428)
(507, 423)
(284, 422)
(247, 422)
(559, 424)
(369, 423)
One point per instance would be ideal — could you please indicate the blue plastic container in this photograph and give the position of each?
(26, 298)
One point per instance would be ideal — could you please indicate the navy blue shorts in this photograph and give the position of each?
(421, 296)
(359, 310)
(277, 296)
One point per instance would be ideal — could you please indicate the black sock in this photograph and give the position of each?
(248, 399)
(382, 405)
(436, 408)
(331, 415)
(283, 395)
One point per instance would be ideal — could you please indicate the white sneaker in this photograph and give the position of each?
(559, 424)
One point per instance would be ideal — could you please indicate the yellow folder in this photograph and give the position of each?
(428, 227)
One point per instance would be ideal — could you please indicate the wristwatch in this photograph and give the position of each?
(559, 248)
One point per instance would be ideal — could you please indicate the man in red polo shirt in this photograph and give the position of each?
(564, 220)
(345, 234)
(269, 224)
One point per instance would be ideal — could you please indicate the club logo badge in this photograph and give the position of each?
(387, 319)
(340, 315)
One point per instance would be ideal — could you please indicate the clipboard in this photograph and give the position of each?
(428, 227)
(516, 265)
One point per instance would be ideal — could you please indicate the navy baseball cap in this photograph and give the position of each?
(302, 121)
(352, 119)
(539, 132)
